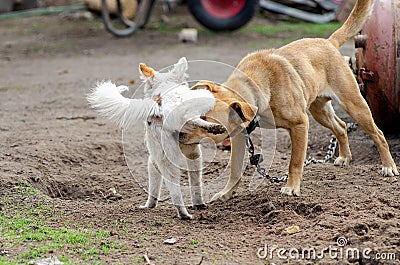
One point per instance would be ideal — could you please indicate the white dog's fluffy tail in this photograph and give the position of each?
(106, 98)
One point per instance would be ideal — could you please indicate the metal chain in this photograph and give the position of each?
(351, 126)
(256, 159)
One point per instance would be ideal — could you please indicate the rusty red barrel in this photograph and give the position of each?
(378, 63)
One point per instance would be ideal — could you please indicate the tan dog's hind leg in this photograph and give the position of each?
(238, 144)
(299, 138)
(357, 108)
(322, 111)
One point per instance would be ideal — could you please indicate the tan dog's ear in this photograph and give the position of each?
(145, 71)
(245, 111)
(204, 84)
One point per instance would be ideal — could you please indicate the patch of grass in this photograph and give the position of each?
(25, 189)
(140, 260)
(48, 47)
(42, 239)
(38, 251)
(26, 234)
(225, 252)
(299, 28)
(270, 42)
(6, 88)
(194, 242)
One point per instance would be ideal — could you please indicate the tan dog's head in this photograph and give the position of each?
(230, 110)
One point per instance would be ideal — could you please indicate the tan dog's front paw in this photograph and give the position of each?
(342, 161)
(290, 191)
(222, 195)
(390, 172)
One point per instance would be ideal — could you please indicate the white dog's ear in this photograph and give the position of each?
(180, 69)
(145, 72)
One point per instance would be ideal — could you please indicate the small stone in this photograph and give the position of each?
(48, 261)
(113, 233)
(188, 35)
(164, 19)
(113, 195)
(63, 72)
(170, 241)
(113, 191)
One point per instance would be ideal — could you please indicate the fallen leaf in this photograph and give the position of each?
(391, 180)
(292, 230)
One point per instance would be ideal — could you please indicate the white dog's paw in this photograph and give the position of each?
(290, 191)
(146, 206)
(198, 203)
(199, 206)
(389, 172)
(342, 161)
(186, 217)
(222, 195)
(183, 213)
(149, 204)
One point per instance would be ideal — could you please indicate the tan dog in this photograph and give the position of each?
(281, 84)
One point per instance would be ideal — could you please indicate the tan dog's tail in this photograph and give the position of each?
(352, 25)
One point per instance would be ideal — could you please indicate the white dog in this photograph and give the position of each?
(168, 108)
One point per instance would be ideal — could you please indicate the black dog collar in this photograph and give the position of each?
(253, 124)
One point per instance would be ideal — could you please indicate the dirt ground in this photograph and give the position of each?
(51, 140)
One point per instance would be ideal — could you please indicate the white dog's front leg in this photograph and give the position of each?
(238, 144)
(154, 185)
(194, 164)
(172, 178)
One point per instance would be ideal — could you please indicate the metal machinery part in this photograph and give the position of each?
(378, 63)
(329, 6)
